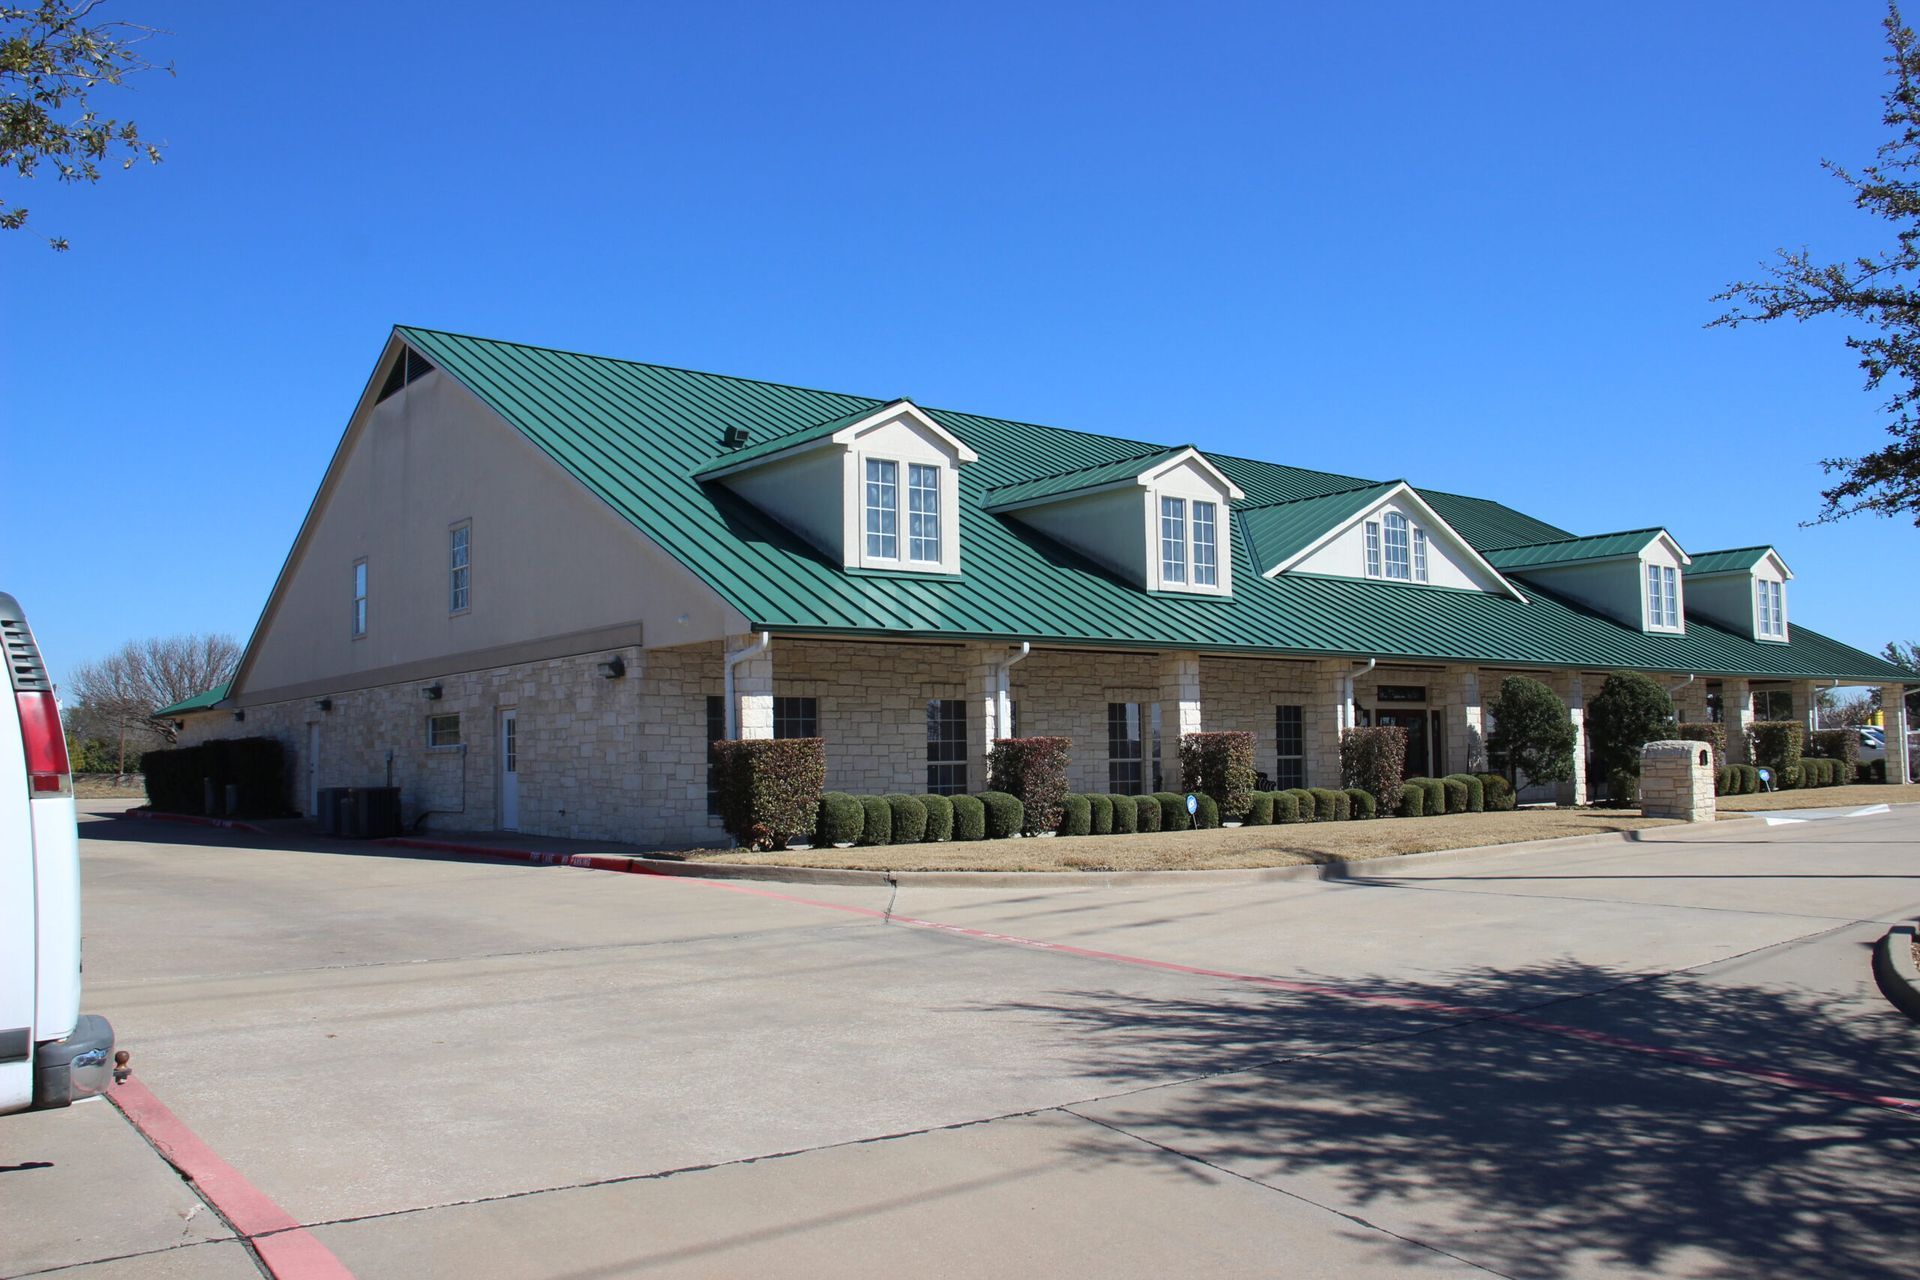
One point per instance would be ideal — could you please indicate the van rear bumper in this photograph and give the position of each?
(65, 1071)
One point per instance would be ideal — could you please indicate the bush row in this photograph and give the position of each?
(1812, 771)
(176, 779)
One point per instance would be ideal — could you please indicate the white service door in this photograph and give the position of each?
(509, 770)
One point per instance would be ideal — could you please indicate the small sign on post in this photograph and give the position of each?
(1193, 804)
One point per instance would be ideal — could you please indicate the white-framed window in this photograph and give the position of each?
(460, 567)
(1173, 539)
(883, 509)
(1419, 554)
(923, 513)
(1206, 545)
(1670, 592)
(359, 598)
(1373, 548)
(443, 730)
(1399, 556)
(1663, 596)
(1770, 608)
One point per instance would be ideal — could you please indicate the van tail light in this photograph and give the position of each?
(48, 773)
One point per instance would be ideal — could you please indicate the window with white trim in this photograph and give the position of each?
(460, 567)
(359, 598)
(1399, 559)
(443, 731)
(883, 509)
(1663, 596)
(1419, 554)
(1173, 539)
(1206, 551)
(1670, 590)
(1770, 609)
(923, 513)
(1373, 548)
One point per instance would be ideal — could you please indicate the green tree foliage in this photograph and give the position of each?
(1629, 712)
(52, 57)
(1532, 731)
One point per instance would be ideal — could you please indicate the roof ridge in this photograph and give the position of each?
(1578, 537)
(1727, 551)
(1091, 466)
(1315, 497)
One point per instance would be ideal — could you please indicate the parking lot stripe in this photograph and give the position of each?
(287, 1249)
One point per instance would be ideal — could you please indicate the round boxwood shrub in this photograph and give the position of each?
(1413, 800)
(1259, 809)
(1100, 815)
(878, 827)
(841, 818)
(1304, 807)
(1497, 792)
(1326, 803)
(1749, 778)
(1476, 791)
(1005, 814)
(1207, 816)
(1286, 806)
(1076, 815)
(939, 818)
(1723, 780)
(969, 818)
(1436, 801)
(909, 819)
(1360, 802)
(1146, 812)
(1173, 811)
(1456, 794)
(1126, 814)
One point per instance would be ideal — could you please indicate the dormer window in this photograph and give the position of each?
(923, 514)
(1770, 609)
(1663, 596)
(883, 509)
(1396, 548)
(1206, 560)
(1384, 532)
(1173, 540)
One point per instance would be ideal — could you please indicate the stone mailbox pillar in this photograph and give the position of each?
(1676, 781)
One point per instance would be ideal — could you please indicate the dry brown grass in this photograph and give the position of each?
(1280, 846)
(97, 786)
(1822, 798)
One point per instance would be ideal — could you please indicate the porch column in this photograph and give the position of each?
(1690, 702)
(1736, 714)
(982, 663)
(1179, 701)
(1804, 695)
(752, 689)
(1893, 719)
(1571, 687)
(1327, 715)
(1466, 721)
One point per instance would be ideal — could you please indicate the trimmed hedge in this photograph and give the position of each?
(909, 819)
(1207, 816)
(1776, 744)
(1436, 801)
(1076, 815)
(1126, 814)
(1456, 793)
(1412, 802)
(1006, 815)
(173, 779)
(1497, 792)
(1835, 744)
(939, 818)
(1375, 760)
(1219, 765)
(1173, 811)
(1326, 803)
(969, 818)
(1748, 778)
(841, 819)
(1360, 803)
(1033, 771)
(1146, 812)
(1286, 806)
(769, 788)
(878, 828)
(256, 767)
(1260, 809)
(1305, 807)
(1099, 815)
(1714, 735)
(1476, 791)
(1723, 781)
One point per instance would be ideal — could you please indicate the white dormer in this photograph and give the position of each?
(1382, 532)
(1162, 521)
(1636, 577)
(876, 490)
(1744, 590)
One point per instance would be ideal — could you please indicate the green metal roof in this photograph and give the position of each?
(1738, 560)
(1599, 546)
(633, 434)
(198, 702)
(1077, 480)
(1486, 523)
(1277, 532)
(778, 444)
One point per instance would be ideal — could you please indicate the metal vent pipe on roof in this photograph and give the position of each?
(733, 660)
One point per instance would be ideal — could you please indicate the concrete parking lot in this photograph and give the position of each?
(1662, 1058)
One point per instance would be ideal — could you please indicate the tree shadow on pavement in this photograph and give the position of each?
(1529, 1151)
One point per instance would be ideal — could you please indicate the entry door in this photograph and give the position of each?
(1415, 723)
(313, 769)
(509, 769)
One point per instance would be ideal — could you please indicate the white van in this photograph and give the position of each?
(50, 1053)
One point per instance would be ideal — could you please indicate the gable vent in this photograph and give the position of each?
(408, 367)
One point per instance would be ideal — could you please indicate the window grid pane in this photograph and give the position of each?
(946, 747)
(443, 731)
(923, 513)
(1398, 560)
(1653, 595)
(360, 598)
(1670, 593)
(459, 566)
(1419, 555)
(796, 717)
(1290, 763)
(1173, 539)
(1373, 548)
(883, 509)
(1126, 755)
(1206, 561)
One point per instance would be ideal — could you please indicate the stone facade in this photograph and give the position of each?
(1676, 781)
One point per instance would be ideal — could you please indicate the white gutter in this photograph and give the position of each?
(1003, 688)
(1673, 689)
(1348, 711)
(758, 647)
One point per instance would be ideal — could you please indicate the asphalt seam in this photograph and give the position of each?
(138, 1253)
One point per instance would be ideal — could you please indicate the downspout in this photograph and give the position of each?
(733, 660)
(1003, 688)
(1346, 710)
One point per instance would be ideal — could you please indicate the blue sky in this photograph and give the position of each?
(1468, 245)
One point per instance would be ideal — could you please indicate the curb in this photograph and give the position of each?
(191, 820)
(1895, 971)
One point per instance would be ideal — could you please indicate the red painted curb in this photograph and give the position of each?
(289, 1251)
(193, 820)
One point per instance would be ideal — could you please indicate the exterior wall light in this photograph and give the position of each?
(613, 668)
(323, 704)
(240, 715)
(431, 693)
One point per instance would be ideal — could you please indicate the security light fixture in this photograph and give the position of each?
(613, 668)
(240, 715)
(431, 693)
(323, 704)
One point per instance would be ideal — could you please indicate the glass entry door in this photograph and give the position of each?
(1419, 741)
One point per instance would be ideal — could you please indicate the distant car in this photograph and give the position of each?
(1873, 743)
